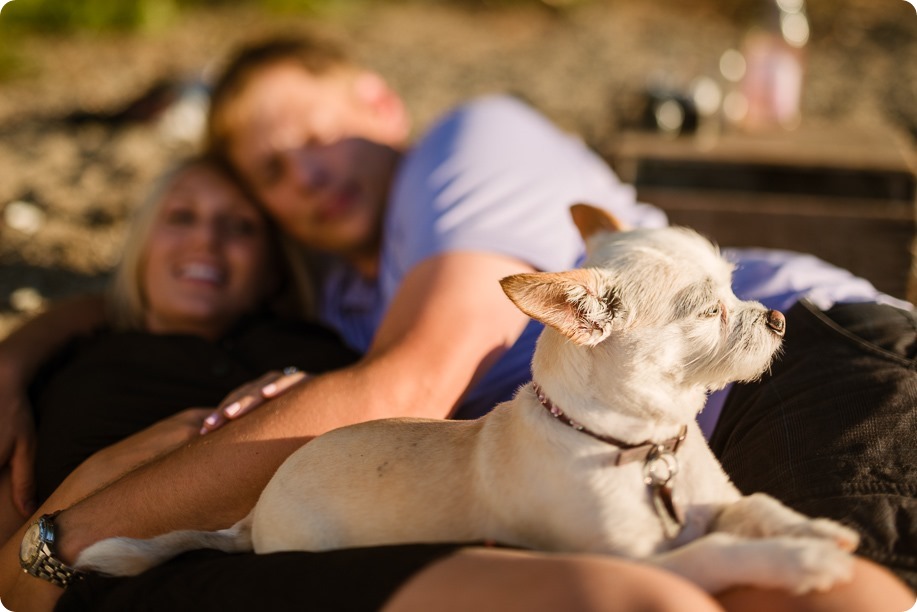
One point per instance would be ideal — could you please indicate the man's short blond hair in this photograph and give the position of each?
(317, 56)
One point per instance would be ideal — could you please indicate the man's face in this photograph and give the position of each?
(317, 154)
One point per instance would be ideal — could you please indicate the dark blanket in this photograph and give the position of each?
(337, 581)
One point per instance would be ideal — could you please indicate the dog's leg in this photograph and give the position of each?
(129, 556)
(719, 561)
(761, 516)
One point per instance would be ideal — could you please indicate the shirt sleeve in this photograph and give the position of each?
(496, 176)
(778, 279)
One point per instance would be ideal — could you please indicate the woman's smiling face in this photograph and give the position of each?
(208, 259)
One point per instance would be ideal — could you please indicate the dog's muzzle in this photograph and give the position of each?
(776, 322)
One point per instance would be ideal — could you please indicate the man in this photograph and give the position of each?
(412, 243)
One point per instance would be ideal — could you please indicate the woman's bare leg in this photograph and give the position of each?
(873, 588)
(484, 579)
(494, 579)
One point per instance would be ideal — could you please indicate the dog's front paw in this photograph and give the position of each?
(761, 516)
(843, 537)
(807, 564)
(719, 561)
(819, 565)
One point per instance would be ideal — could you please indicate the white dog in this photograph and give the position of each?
(600, 453)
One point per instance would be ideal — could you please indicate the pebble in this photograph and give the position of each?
(24, 217)
(26, 300)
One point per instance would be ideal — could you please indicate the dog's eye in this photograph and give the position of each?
(711, 312)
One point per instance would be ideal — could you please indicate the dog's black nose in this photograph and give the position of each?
(776, 322)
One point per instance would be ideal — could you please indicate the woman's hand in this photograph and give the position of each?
(17, 441)
(249, 396)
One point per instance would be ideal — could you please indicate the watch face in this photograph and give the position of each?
(28, 550)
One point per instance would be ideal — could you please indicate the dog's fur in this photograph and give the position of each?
(633, 343)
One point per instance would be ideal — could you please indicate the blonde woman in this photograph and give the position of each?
(203, 300)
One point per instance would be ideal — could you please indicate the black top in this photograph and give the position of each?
(106, 387)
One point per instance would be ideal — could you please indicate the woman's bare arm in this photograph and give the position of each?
(22, 354)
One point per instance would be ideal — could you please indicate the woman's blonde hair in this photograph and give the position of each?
(126, 300)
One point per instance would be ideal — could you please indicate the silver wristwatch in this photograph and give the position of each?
(37, 554)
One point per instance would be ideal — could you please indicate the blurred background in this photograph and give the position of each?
(780, 123)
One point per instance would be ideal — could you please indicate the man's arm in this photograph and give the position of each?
(22, 353)
(448, 323)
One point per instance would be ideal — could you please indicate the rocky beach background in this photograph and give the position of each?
(77, 150)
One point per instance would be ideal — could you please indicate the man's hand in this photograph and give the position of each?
(249, 396)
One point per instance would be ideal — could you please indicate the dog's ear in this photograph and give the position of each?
(590, 220)
(578, 303)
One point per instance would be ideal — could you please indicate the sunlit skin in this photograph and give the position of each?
(208, 258)
(320, 153)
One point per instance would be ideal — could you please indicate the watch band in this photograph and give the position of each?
(47, 566)
(50, 569)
